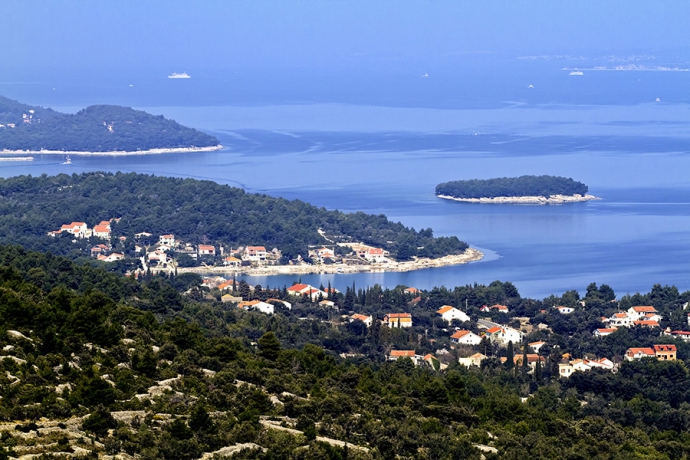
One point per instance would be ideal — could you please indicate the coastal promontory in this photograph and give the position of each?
(522, 190)
(95, 129)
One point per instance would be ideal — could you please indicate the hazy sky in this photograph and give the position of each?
(322, 35)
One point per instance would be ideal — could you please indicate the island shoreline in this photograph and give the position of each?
(553, 199)
(470, 255)
(114, 152)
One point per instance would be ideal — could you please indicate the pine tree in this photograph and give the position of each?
(510, 356)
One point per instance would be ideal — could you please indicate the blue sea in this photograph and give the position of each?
(380, 143)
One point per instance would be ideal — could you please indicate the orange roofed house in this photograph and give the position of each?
(663, 352)
(449, 313)
(398, 320)
(394, 355)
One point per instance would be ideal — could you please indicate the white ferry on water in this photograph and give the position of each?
(577, 73)
(179, 75)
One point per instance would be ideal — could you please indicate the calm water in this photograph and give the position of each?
(382, 149)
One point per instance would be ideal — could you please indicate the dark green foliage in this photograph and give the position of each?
(512, 187)
(396, 409)
(99, 128)
(195, 211)
(99, 422)
(269, 346)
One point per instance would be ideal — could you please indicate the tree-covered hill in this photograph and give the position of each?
(93, 364)
(512, 187)
(195, 211)
(98, 128)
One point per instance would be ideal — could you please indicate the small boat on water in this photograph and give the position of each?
(179, 75)
(577, 73)
(68, 161)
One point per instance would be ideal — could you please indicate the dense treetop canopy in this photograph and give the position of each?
(195, 211)
(98, 128)
(512, 187)
(106, 340)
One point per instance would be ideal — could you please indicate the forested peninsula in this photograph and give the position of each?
(198, 212)
(95, 129)
(524, 189)
(99, 365)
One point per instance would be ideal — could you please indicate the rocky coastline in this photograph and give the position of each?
(553, 199)
(470, 255)
(114, 152)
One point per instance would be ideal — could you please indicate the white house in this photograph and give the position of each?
(639, 312)
(102, 230)
(620, 320)
(536, 346)
(375, 255)
(284, 303)
(465, 337)
(78, 229)
(168, 240)
(394, 355)
(603, 332)
(257, 305)
(111, 257)
(565, 310)
(255, 253)
(497, 307)
(449, 313)
(504, 334)
(474, 360)
(367, 320)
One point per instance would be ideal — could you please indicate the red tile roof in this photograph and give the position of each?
(644, 309)
(460, 334)
(402, 353)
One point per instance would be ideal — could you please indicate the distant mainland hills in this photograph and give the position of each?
(97, 128)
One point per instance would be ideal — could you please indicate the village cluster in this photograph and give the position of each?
(640, 316)
(497, 334)
(27, 118)
(162, 253)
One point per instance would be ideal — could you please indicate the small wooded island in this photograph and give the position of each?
(523, 189)
(104, 129)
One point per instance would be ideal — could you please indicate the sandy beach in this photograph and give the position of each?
(470, 255)
(115, 152)
(553, 199)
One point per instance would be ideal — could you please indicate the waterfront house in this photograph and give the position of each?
(375, 255)
(255, 254)
(207, 250)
